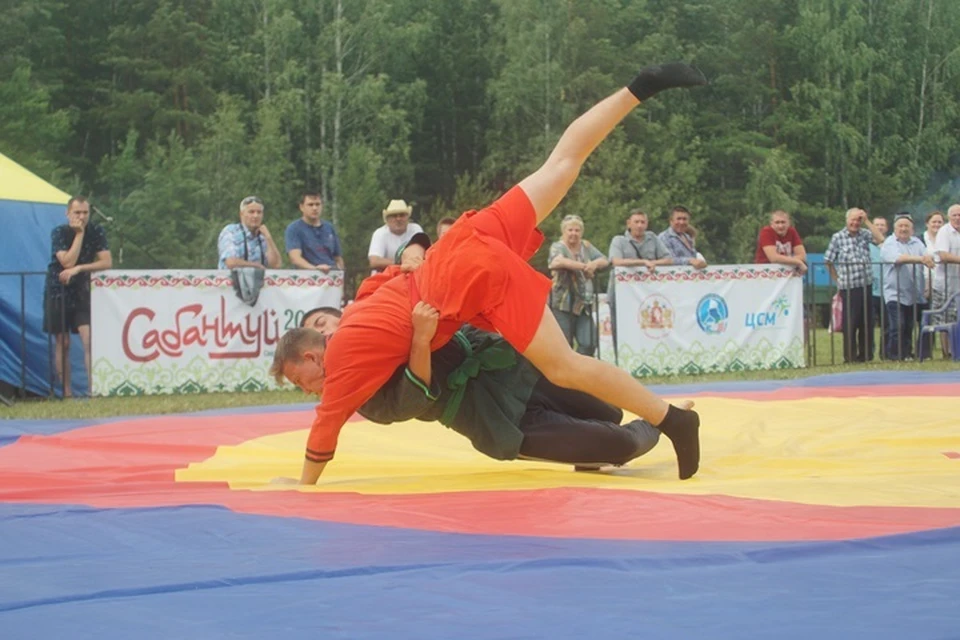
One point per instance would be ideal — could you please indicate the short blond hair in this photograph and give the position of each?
(291, 347)
(571, 220)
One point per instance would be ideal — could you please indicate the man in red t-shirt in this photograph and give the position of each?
(477, 273)
(779, 243)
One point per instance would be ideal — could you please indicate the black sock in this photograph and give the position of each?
(659, 77)
(682, 426)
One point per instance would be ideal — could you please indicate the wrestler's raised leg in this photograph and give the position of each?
(547, 186)
(551, 354)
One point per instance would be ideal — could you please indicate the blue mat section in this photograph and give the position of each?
(10, 430)
(854, 379)
(204, 572)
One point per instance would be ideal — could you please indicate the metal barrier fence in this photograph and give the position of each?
(897, 315)
(16, 288)
(894, 307)
(900, 324)
(28, 354)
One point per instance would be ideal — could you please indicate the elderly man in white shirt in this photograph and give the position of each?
(946, 277)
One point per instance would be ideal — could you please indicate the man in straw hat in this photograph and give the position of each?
(396, 231)
(478, 273)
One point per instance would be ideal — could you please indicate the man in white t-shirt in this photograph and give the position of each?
(946, 277)
(396, 231)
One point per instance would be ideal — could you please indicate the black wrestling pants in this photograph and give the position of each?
(563, 425)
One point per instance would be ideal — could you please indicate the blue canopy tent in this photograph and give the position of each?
(30, 208)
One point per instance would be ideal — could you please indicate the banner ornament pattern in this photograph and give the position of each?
(161, 332)
(721, 319)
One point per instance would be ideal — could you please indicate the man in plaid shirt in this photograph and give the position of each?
(848, 259)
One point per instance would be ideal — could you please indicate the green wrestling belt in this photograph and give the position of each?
(493, 358)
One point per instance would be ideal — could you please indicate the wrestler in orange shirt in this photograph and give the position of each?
(478, 274)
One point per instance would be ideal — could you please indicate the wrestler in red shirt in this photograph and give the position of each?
(478, 273)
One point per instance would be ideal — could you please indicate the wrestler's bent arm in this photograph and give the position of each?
(425, 319)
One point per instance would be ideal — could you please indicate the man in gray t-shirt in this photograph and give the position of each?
(635, 248)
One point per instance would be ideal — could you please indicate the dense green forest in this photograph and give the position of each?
(168, 112)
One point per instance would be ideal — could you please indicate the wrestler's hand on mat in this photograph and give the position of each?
(425, 319)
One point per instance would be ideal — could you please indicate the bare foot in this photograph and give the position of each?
(686, 404)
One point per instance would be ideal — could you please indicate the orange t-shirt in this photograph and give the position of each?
(476, 273)
(372, 341)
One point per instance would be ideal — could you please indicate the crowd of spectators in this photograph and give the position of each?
(574, 262)
(881, 280)
(888, 281)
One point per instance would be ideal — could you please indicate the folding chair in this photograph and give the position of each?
(952, 329)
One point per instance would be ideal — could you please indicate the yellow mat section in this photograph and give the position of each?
(842, 452)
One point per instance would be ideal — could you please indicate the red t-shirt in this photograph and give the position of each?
(785, 246)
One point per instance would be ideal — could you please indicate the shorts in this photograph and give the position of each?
(478, 271)
(950, 313)
(65, 313)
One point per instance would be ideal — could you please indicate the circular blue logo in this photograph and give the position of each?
(712, 314)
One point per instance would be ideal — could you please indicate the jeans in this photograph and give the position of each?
(879, 319)
(857, 324)
(900, 319)
(925, 342)
(578, 328)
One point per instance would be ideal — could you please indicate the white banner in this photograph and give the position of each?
(605, 325)
(679, 320)
(156, 332)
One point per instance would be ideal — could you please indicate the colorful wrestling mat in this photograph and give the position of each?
(827, 507)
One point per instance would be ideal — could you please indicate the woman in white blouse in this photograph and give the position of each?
(935, 220)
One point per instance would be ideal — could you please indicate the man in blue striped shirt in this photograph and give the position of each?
(248, 243)
(679, 239)
(904, 261)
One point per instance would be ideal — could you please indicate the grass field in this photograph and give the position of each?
(829, 358)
